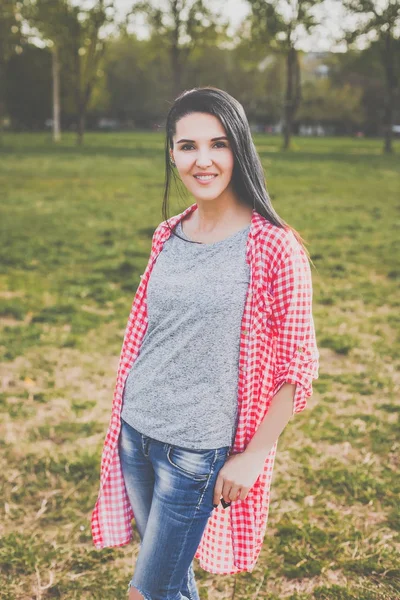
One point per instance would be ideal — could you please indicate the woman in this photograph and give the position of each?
(218, 354)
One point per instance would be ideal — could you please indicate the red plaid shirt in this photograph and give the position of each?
(277, 346)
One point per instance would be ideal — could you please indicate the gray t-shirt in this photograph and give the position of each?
(182, 388)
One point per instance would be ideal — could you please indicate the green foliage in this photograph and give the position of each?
(31, 69)
(341, 344)
(321, 102)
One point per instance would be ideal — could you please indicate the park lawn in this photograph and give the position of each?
(76, 227)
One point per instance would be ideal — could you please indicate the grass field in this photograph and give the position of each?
(75, 229)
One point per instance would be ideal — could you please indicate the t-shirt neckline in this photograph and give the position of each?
(212, 244)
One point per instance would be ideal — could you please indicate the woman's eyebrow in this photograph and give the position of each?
(221, 137)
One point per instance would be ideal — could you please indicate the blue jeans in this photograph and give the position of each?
(171, 490)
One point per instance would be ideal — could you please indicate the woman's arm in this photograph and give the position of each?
(297, 355)
(241, 471)
(296, 365)
(277, 417)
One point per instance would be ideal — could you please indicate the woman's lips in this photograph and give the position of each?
(205, 181)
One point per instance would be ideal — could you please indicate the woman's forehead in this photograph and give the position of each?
(199, 125)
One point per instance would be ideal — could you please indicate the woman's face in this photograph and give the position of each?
(197, 151)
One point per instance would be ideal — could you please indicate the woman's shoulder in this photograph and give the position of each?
(277, 242)
(170, 223)
(161, 228)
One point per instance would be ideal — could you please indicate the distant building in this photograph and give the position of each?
(108, 124)
(317, 129)
(313, 66)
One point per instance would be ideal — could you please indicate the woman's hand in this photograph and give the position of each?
(237, 477)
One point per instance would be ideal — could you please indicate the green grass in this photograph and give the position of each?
(75, 227)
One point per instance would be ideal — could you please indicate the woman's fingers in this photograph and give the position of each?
(218, 489)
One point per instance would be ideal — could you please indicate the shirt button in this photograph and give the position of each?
(300, 349)
(245, 332)
(243, 369)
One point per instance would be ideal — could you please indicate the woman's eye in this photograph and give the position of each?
(223, 145)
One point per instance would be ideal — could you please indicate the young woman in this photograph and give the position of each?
(218, 354)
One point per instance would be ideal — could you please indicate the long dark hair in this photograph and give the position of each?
(248, 179)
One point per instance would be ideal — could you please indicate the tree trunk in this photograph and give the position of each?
(56, 95)
(388, 127)
(176, 70)
(175, 50)
(388, 63)
(288, 106)
(293, 95)
(81, 126)
(2, 98)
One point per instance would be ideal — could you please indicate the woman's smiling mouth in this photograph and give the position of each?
(204, 179)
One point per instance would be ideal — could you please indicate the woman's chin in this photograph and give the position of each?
(207, 194)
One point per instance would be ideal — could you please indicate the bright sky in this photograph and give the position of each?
(322, 39)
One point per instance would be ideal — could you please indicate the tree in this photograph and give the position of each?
(29, 70)
(138, 79)
(75, 35)
(362, 69)
(324, 103)
(88, 45)
(381, 19)
(51, 20)
(185, 25)
(10, 43)
(276, 25)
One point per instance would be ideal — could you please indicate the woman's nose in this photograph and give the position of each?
(203, 160)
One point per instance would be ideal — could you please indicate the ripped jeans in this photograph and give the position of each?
(171, 490)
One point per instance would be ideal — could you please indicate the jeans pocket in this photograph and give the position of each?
(196, 464)
(129, 442)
